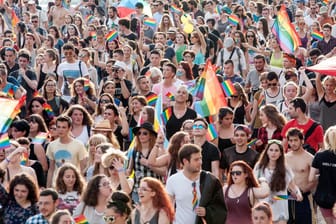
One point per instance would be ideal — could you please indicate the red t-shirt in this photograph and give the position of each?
(313, 140)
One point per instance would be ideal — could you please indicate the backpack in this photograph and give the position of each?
(239, 56)
(309, 132)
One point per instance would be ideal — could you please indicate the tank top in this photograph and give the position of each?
(277, 62)
(239, 209)
(304, 41)
(274, 99)
(199, 58)
(224, 143)
(239, 113)
(327, 114)
(153, 220)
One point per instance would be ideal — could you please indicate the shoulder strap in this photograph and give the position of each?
(58, 101)
(232, 52)
(82, 213)
(311, 130)
(222, 57)
(80, 68)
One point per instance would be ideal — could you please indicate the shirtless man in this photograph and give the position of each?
(57, 14)
(300, 162)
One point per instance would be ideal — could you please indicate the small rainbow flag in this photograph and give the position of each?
(198, 90)
(93, 34)
(218, 9)
(36, 93)
(218, 70)
(229, 88)
(40, 138)
(150, 22)
(81, 219)
(10, 92)
(233, 19)
(283, 197)
(212, 132)
(170, 96)
(112, 35)
(89, 18)
(151, 99)
(24, 158)
(4, 141)
(317, 35)
(86, 84)
(48, 109)
(261, 101)
(15, 19)
(165, 116)
(174, 8)
(252, 142)
(325, 2)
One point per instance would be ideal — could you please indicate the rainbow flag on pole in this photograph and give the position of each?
(89, 19)
(151, 99)
(233, 19)
(174, 8)
(86, 84)
(317, 35)
(4, 141)
(285, 32)
(150, 22)
(165, 116)
(112, 35)
(81, 219)
(170, 96)
(15, 19)
(229, 88)
(24, 158)
(212, 132)
(40, 138)
(252, 142)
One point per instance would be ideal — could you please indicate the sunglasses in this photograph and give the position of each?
(142, 133)
(272, 84)
(237, 173)
(199, 126)
(110, 218)
(248, 36)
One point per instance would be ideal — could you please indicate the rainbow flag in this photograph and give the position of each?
(213, 99)
(285, 32)
(112, 35)
(283, 197)
(229, 88)
(252, 142)
(89, 18)
(317, 35)
(198, 90)
(170, 96)
(15, 19)
(10, 108)
(4, 141)
(218, 70)
(40, 138)
(150, 22)
(174, 8)
(10, 93)
(325, 2)
(36, 93)
(81, 219)
(218, 9)
(261, 101)
(86, 84)
(48, 109)
(151, 99)
(212, 132)
(93, 34)
(24, 158)
(165, 116)
(233, 19)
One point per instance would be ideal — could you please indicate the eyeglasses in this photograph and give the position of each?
(248, 36)
(186, 128)
(110, 218)
(272, 84)
(237, 173)
(105, 184)
(105, 101)
(81, 55)
(198, 126)
(145, 133)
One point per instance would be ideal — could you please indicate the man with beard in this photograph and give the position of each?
(252, 80)
(240, 151)
(198, 195)
(300, 162)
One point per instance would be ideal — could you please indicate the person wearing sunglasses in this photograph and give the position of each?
(272, 167)
(241, 192)
(118, 208)
(273, 93)
(114, 161)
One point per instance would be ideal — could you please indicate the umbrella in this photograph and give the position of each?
(325, 67)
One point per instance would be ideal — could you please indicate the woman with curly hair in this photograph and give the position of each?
(118, 209)
(81, 122)
(272, 166)
(241, 191)
(83, 93)
(95, 199)
(165, 23)
(38, 106)
(21, 201)
(273, 122)
(69, 186)
(169, 160)
(156, 206)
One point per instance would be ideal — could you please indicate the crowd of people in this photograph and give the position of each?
(88, 145)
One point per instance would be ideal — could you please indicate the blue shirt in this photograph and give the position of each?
(37, 219)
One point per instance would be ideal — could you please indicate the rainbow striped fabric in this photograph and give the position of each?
(170, 96)
(112, 35)
(166, 114)
(150, 22)
(252, 142)
(174, 8)
(283, 197)
(40, 138)
(233, 19)
(212, 132)
(81, 219)
(151, 99)
(24, 158)
(4, 141)
(86, 84)
(317, 35)
(229, 88)
(48, 109)
(285, 32)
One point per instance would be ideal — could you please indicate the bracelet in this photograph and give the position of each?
(7, 160)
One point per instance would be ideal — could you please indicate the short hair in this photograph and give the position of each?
(119, 51)
(298, 102)
(202, 120)
(125, 22)
(259, 56)
(192, 54)
(229, 61)
(292, 132)
(212, 21)
(187, 150)
(315, 51)
(55, 218)
(172, 66)
(327, 25)
(64, 118)
(22, 125)
(329, 139)
(113, 107)
(265, 207)
(68, 46)
(272, 76)
(23, 141)
(23, 53)
(223, 112)
(50, 191)
(155, 52)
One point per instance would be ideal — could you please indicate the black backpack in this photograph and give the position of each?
(310, 131)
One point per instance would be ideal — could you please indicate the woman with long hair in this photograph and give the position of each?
(79, 22)
(253, 47)
(180, 45)
(262, 213)
(54, 99)
(81, 122)
(245, 20)
(38, 106)
(225, 128)
(137, 103)
(54, 31)
(272, 166)
(323, 171)
(198, 46)
(20, 202)
(155, 204)
(69, 185)
(118, 208)
(303, 33)
(94, 141)
(94, 199)
(241, 191)
(165, 23)
(49, 65)
(61, 217)
(169, 160)
(104, 99)
(240, 105)
(273, 122)
(114, 160)
(147, 114)
(37, 150)
(83, 93)
(276, 57)
(184, 73)
(262, 31)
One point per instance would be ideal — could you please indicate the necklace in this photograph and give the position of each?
(238, 197)
(99, 213)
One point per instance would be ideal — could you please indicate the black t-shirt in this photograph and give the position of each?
(174, 125)
(169, 52)
(230, 155)
(119, 137)
(118, 94)
(131, 36)
(210, 153)
(32, 76)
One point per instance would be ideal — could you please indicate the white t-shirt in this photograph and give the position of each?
(180, 187)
